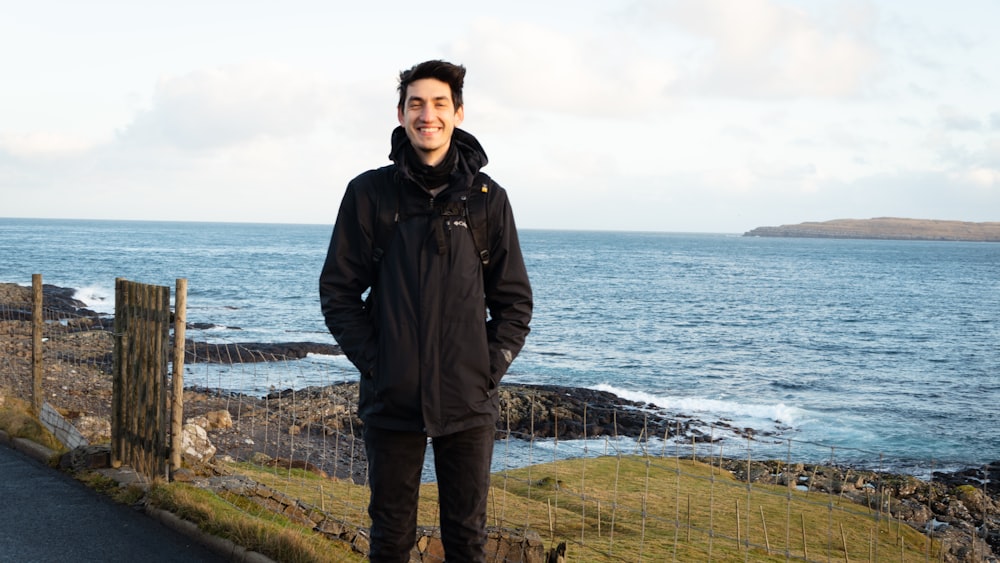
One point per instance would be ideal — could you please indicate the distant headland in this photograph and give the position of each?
(889, 228)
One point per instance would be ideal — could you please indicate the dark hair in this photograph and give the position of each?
(451, 74)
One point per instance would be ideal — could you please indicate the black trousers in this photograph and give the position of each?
(462, 463)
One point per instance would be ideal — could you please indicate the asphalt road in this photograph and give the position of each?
(47, 516)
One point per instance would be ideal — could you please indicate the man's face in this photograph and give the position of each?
(429, 117)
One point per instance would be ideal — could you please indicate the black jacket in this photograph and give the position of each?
(430, 358)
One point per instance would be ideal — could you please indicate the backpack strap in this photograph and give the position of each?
(477, 215)
(386, 217)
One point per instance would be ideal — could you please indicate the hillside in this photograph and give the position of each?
(886, 228)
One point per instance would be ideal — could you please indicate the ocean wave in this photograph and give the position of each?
(336, 360)
(98, 299)
(740, 412)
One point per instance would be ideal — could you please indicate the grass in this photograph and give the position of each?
(230, 517)
(632, 508)
(635, 508)
(17, 421)
(249, 525)
(625, 508)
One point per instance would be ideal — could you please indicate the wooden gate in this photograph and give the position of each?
(139, 416)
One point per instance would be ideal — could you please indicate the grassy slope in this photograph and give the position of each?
(595, 505)
(606, 509)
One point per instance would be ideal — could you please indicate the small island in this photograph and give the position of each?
(887, 228)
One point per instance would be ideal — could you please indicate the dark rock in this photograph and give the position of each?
(206, 326)
(86, 457)
(249, 352)
(58, 303)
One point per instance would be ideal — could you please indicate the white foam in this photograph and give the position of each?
(777, 413)
(97, 299)
(338, 360)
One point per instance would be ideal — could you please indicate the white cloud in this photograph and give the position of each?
(980, 177)
(695, 115)
(40, 144)
(767, 49)
(525, 65)
(232, 104)
(955, 119)
(991, 154)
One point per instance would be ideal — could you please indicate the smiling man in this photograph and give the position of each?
(429, 115)
(425, 289)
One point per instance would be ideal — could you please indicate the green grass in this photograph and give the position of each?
(627, 508)
(606, 509)
(16, 420)
(597, 506)
(249, 525)
(228, 516)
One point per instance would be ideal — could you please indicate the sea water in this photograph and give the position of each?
(868, 351)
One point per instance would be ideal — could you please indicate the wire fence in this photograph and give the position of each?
(561, 475)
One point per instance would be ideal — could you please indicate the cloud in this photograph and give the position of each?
(981, 177)
(955, 119)
(230, 105)
(992, 153)
(43, 145)
(764, 49)
(527, 65)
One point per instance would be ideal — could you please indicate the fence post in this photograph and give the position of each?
(139, 398)
(177, 381)
(122, 345)
(118, 375)
(37, 325)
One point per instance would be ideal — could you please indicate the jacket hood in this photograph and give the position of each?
(470, 159)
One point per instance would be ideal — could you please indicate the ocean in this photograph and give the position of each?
(868, 352)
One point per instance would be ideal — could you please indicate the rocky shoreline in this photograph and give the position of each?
(318, 427)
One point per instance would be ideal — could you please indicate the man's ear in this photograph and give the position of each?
(459, 116)
(399, 114)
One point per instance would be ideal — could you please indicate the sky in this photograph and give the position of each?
(713, 116)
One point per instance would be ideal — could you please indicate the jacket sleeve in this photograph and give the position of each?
(347, 274)
(508, 291)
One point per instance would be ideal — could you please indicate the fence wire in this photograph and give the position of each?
(608, 497)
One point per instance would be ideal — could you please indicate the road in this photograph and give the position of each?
(47, 516)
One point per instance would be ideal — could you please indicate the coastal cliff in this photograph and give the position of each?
(889, 228)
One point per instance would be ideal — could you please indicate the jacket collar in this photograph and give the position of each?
(470, 158)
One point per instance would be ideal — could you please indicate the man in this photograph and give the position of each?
(445, 316)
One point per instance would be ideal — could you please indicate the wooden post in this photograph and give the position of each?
(689, 517)
(162, 389)
(37, 325)
(738, 548)
(763, 523)
(118, 375)
(177, 404)
(552, 531)
(805, 546)
(139, 401)
(843, 540)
